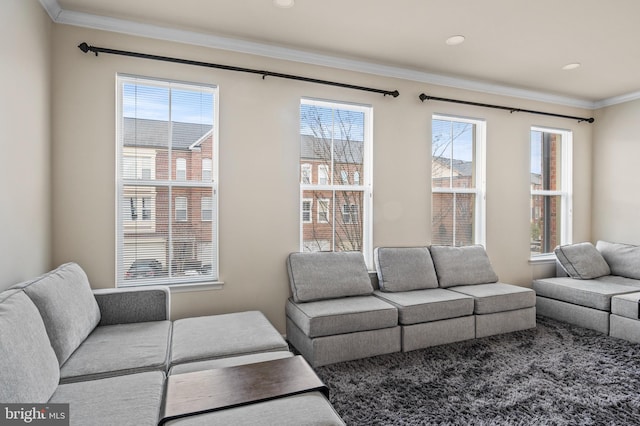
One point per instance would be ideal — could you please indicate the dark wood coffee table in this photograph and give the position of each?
(211, 390)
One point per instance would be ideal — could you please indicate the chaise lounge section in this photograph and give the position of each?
(597, 287)
(107, 352)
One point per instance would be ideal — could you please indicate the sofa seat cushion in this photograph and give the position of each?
(131, 400)
(327, 275)
(582, 261)
(404, 268)
(594, 293)
(339, 316)
(114, 350)
(498, 297)
(310, 408)
(219, 336)
(428, 305)
(626, 305)
(67, 305)
(458, 266)
(210, 364)
(623, 259)
(29, 370)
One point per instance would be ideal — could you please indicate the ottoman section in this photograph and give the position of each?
(220, 336)
(335, 330)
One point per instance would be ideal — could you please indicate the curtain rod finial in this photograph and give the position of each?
(423, 97)
(85, 48)
(395, 93)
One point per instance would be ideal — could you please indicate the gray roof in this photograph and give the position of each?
(344, 151)
(462, 167)
(153, 133)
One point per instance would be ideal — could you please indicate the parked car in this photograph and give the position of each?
(145, 268)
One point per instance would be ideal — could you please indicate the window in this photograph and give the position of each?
(457, 181)
(206, 209)
(336, 140)
(146, 208)
(305, 174)
(350, 213)
(323, 174)
(207, 167)
(344, 176)
(306, 210)
(162, 126)
(550, 189)
(323, 210)
(181, 169)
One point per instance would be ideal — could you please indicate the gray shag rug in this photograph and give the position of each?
(555, 374)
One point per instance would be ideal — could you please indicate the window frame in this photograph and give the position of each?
(566, 189)
(181, 283)
(309, 211)
(365, 184)
(479, 164)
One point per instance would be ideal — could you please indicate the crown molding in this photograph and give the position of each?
(61, 16)
(617, 100)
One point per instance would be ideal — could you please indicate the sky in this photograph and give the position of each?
(152, 102)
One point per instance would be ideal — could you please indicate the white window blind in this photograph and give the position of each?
(166, 231)
(335, 168)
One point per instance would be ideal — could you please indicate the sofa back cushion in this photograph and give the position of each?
(327, 275)
(404, 268)
(67, 305)
(582, 261)
(29, 368)
(623, 259)
(462, 265)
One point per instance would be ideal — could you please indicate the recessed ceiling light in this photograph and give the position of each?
(572, 66)
(455, 40)
(284, 3)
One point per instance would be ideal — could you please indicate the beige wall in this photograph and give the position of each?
(25, 213)
(616, 203)
(259, 165)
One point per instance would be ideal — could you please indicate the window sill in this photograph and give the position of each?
(543, 258)
(200, 286)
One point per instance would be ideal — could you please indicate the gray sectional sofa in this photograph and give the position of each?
(107, 353)
(596, 287)
(426, 296)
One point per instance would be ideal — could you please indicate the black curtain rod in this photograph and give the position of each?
(424, 97)
(86, 48)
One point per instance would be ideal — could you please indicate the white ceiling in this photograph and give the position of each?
(515, 47)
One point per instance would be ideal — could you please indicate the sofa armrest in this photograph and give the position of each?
(129, 305)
